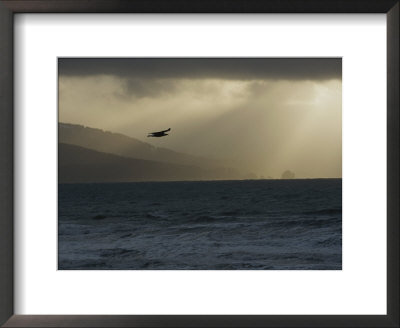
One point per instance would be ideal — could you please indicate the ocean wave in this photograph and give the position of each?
(232, 212)
(204, 219)
(113, 252)
(326, 211)
(332, 241)
(306, 222)
(156, 215)
(99, 217)
(268, 225)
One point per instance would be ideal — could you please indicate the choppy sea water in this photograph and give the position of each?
(209, 225)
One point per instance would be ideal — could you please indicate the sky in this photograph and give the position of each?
(262, 115)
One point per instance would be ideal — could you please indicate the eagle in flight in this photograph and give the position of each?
(159, 133)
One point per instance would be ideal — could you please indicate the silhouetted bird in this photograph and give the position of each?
(159, 134)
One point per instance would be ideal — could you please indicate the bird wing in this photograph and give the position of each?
(158, 132)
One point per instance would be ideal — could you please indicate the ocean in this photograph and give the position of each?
(202, 225)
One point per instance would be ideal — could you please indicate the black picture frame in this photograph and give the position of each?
(10, 7)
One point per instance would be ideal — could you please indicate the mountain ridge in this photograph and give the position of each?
(83, 165)
(122, 145)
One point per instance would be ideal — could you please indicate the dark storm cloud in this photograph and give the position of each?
(141, 87)
(198, 68)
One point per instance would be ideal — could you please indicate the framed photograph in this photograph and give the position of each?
(218, 193)
(199, 164)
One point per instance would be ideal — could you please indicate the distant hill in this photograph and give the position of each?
(119, 144)
(82, 165)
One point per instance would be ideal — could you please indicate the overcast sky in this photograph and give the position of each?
(265, 115)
